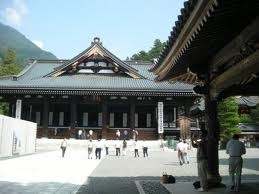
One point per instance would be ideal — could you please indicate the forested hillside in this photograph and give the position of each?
(24, 48)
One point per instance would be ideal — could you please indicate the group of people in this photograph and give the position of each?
(235, 148)
(126, 134)
(118, 145)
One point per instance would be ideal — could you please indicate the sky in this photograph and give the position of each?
(66, 27)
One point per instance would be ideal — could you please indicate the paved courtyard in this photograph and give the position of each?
(127, 174)
(48, 172)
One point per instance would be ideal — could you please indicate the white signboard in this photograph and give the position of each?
(18, 109)
(160, 117)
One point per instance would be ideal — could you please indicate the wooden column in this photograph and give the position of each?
(132, 112)
(45, 117)
(187, 106)
(104, 117)
(73, 117)
(11, 111)
(212, 125)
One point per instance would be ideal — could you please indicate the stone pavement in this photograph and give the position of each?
(48, 172)
(127, 174)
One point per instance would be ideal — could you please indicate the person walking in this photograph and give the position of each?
(136, 147)
(63, 147)
(124, 147)
(98, 149)
(118, 134)
(134, 134)
(90, 149)
(180, 151)
(80, 133)
(235, 149)
(202, 159)
(107, 147)
(90, 134)
(118, 147)
(125, 134)
(145, 147)
(185, 151)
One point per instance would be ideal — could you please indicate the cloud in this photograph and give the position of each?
(38, 43)
(14, 13)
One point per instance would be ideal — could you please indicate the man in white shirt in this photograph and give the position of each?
(185, 151)
(91, 134)
(118, 147)
(118, 134)
(90, 149)
(80, 134)
(235, 149)
(145, 148)
(98, 149)
(180, 150)
(136, 147)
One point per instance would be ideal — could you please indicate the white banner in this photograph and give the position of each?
(160, 117)
(18, 109)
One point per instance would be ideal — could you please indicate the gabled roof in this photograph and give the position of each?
(33, 81)
(96, 51)
(251, 101)
(248, 127)
(58, 77)
(202, 30)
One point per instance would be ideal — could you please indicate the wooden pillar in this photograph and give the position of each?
(73, 117)
(45, 119)
(212, 125)
(104, 117)
(132, 112)
(187, 106)
(11, 109)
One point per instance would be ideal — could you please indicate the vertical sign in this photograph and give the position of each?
(160, 115)
(18, 109)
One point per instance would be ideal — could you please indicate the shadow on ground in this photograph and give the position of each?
(249, 163)
(37, 187)
(150, 184)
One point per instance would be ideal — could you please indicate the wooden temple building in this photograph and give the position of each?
(98, 91)
(214, 45)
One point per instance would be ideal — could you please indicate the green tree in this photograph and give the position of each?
(153, 53)
(9, 64)
(156, 49)
(228, 118)
(141, 56)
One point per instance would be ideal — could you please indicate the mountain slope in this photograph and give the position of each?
(25, 49)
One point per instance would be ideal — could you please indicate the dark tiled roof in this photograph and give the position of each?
(34, 80)
(185, 13)
(202, 29)
(248, 127)
(96, 44)
(248, 100)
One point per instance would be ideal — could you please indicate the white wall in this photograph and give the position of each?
(16, 136)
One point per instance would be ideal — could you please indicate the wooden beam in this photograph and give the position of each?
(233, 48)
(235, 74)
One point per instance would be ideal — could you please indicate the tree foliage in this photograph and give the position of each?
(24, 48)
(228, 118)
(9, 66)
(151, 54)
